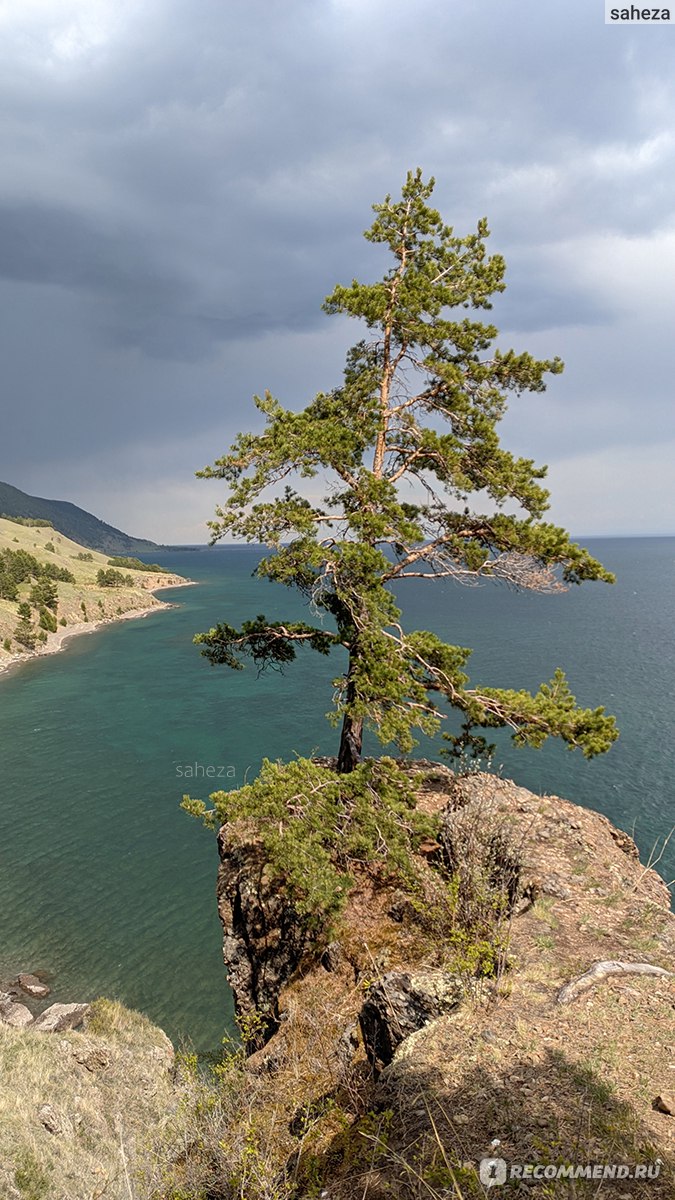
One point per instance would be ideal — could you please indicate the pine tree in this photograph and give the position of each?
(417, 485)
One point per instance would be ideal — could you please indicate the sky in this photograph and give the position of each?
(181, 185)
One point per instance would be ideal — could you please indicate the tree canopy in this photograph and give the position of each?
(415, 483)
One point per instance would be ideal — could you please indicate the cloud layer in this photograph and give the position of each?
(182, 185)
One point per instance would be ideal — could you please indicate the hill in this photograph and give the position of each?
(74, 522)
(67, 588)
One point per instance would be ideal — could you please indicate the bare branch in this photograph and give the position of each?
(600, 971)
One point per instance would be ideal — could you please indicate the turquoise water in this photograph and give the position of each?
(109, 886)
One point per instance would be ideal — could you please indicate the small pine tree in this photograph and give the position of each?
(44, 594)
(47, 620)
(25, 634)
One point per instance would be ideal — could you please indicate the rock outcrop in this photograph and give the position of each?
(399, 1004)
(264, 937)
(59, 1017)
(33, 986)
(467, 1054)
(13, 1013)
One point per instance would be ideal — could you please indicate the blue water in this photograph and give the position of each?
(109, 886)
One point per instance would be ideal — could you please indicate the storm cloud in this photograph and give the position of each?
(181, 185)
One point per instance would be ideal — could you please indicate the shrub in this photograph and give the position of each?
(84, 556)
(51, 547)
(7, 645)
(109, 577)
(470, 913)
(318, 827)
(47, 620)
(135, 564)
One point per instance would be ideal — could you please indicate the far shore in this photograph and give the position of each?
(57, 640)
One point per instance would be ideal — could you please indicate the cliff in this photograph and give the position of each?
(428, 1025)
(397, 1053)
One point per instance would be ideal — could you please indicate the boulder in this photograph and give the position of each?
(58, 1017)
(15, 1014)
(32, 986)
(399, 1004)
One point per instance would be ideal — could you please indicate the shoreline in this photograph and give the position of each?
(57, 641)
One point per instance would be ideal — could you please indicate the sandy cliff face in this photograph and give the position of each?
(466, 1061)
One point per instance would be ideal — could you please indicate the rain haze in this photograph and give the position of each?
(182, 184)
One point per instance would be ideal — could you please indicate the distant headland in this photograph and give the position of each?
(76, 523)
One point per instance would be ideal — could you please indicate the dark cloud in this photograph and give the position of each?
(182, 185)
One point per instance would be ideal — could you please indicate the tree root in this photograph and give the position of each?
(604, 970)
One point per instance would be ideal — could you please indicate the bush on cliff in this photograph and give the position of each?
(318, 827)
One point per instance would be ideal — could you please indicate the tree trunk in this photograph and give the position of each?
(351, 736)
(351, 739)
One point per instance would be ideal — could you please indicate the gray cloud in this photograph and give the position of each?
(182, 185)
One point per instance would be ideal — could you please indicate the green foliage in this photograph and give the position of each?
(25, 633)
(109, 577)
(18, 566)
(31, 1177)
(32, 522)
(8, 587)
(317, 827)
(407, 452)
(47, 620)
(135, 564)
(44, 594)
(84, 556)
(469, 751)
(7, 645)
(50, 547)
(62, 621)
(52, 571)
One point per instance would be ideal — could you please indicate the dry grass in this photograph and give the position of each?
(77, 1109)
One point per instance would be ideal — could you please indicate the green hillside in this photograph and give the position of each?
(51, 586)
(76, 523)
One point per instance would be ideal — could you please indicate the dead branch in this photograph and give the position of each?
(600, 971)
